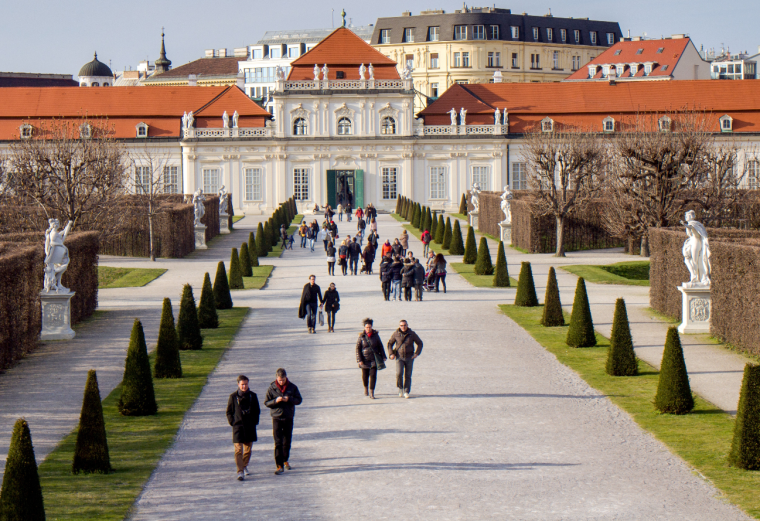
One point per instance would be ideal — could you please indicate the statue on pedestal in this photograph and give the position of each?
(506, 205)
(316, 72)
(325, 70)
(235, 119)
(190, 119)
(56, 256)
(453, 114)
(475, 197)
(696, 252)
(198, 206)
(184, 120)
(225, 120)
(496, 117)
(222, 200)
(371, 72)
(362, 72)
(462, 115)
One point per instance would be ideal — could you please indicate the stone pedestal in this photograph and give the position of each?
(224, 223)
(506, 233)
(56, 316)
(200, 237)
(474, 219)
(696, 310)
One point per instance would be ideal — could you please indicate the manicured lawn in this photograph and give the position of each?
(260, 276)
(634, 273)
(398, 218)
(702, 438)
(460, 216)
(135, 443)
(437, 248)
(236, 218)
(126, 277)
(479, 281)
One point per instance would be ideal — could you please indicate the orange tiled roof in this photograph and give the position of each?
(202, 67)
(639, 52)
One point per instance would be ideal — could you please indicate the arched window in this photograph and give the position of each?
(344, 127)
(299, 127)
(388, 125)
(547, 124)
(95, 84)
(105, 84)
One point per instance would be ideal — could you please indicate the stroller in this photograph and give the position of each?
(429, 284)
(288, 243)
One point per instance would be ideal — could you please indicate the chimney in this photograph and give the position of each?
(192, 80)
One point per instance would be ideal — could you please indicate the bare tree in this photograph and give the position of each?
(565, 169)
(719, 194)
(71, 169)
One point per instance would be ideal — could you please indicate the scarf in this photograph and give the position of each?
(283, 387)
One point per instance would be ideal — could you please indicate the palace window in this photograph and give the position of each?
(293, 52)
(462, 82)
(555, 61)
(171, 180)
(608, 124)
(563, 35)
(344, 127)
(610, 38)
(592, 35)
(389, 174)
(434, 60)
(519, 176)
(549, 35)
(457, 59)
(494, 59)
(465, 59)
(515, 32)
(535, 61)
(388, 125)
(726, 123)
(385, 36)
(438, 182)
(300, 127)
(253, 184)
(301, 183)
(576, 63)
(577, 35)
(409, 35)
(753, 172)
(515, 61)
(275, 52)
(460, 32)
(481, 175)
(142, 130)
(25, 131)
(142, 180)
(434, 34)
(210, 181)
(478, 32)
(493, 32)
(664, 124)
(433, 90)
(535, 33)
(547, 124)
(85, 131)
(256, 54)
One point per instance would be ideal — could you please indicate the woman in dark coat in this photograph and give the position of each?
(369, 348)
(369, 257)
(397, 248)
(243, 416)
(407, 279)
(330, 258)
(440, 272)
(343, 255)
(332, 305)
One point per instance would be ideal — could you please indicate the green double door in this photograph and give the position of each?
(345, 186)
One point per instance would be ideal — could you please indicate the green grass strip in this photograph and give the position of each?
(702, 438)
(260, 276)
(135, 444)
(460, 216)
(236, 218)
(437, 248)
(109, 277)
(467, 271)
(634, 273)
(398, 218)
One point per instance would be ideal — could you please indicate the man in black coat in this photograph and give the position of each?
(311, 298)
(243, 416)
(282, 398)
(354, 252)
(401, 348)
(419, 279)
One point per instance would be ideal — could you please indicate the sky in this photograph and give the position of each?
(53, 36)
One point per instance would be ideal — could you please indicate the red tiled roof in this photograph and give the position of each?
(672, 50)
(9, 81)
(202, 67)
(345, 51)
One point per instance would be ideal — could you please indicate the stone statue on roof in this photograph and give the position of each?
(371, 72)
(362, 72)
(325, 70)
(316, 72)
(225, 120)
(505, 118)
(184, 120)
(453, 114)
(696, 252)
(190, 119)
(496, 117)
(462, 115)
(235, 118)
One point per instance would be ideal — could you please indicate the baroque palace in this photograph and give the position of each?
(344, 128)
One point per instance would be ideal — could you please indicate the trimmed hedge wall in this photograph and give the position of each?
(21, 261)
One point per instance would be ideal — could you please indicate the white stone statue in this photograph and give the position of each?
(325, 70)
(406, 74)
(198, 206)
(362, 72)
(371, 72)
(497, 76)
(279, 73)
(475, 198)
(225, 120)
(696, 252)
(462, 115)
(235, 119)
(496, 117)
(222, 200)
(453, 114)
(505, 117)
(190, 120)
(506, 205)
(184, 120)
(56, 256)
(316, 72)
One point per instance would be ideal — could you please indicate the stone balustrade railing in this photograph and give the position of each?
(299, 85)
(465, 130)
(200, 133)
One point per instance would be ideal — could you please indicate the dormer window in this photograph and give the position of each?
(591, 71)
(726, 123)
(659, 51)
(85, 131)
(608, 124)
(634, 69)
(142, 130)
(547, 124)
(25, 131)
(640, 51)
(664, 124)
(664, 68)
(647, 69)
(617, 53)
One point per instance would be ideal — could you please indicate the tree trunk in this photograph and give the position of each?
(150, 231)
(560, 236)
(645, 246)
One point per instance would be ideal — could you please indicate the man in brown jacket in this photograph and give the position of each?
(404, 340)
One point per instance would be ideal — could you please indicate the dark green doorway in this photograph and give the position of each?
(345, 186)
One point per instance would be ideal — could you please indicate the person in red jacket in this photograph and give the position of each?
(386, 249)
(426, 238)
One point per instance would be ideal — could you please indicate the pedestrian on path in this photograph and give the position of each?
(361, 225)
(401, 348)
(407, 279)
(386, 249)
(370, 357)
(330, 251)
(440, 272)
(354, 252)
(359, 213)
(425, 238)
(348, 211)
(311, 298)
(313, 234)
(373, 225)
(343, 256)
(385, 276)
(404, 240)
(324, 235)
(340, 212)
(398, 250)
(369, 257)
(302, 233)
(282, 398)
(395, 273)
(332, 305)
(243, 416)
(419, 279)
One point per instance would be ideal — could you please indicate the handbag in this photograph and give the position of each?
(321, 318)
(331, 259)
(379, 362)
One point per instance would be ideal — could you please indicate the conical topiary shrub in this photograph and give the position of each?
(483, 265)
(433, 225)
(252, 248)
(745, 447)
(416, 217)
(470, 247)
(621, 359)
(526, 289)
(91, 450)
(222, 297)
(137, 395)
(581, 331)
(21, 494)
(553, 316)
(447, 234)
(501, 273)
(207, 315)
(267, 237)
(463, 205)
(261, 246)
(673, 391)
(440, 230)
(428, 221)
(274, 233)
(168, 363)
(245, 261)
(236, 275)
(188, 330)
(457, 245)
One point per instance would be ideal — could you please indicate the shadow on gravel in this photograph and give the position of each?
(360, 434)
(513, 395)
(436, 466)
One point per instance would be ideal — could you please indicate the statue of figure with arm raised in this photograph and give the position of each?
(56, 256)
(696, 251)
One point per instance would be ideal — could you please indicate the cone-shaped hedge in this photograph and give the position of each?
(21, 494)
(463, 205)
(236, 275)
(581, 331)
(168, 364)
(470, 248)
(398, 205)
(621, 359)
(274, 233)
(745, 447)
(261, 247)
(91, 451)
(207, 315)
(188, 330)
(428, 221)
(483, 266)
(137, 395)
(252, 250)
(245, 261)
(267, 237)
(440, 230)
(447, 234)
(501, 273)
(526, 289)
(433, 225)
(673, 391)
(553, 316)
(416, 217)
(457, 245)
(222, 297)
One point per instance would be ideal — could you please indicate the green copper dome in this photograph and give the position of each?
(95, 68)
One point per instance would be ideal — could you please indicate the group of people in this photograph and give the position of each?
(399, 269)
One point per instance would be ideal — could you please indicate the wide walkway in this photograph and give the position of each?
(496, 428)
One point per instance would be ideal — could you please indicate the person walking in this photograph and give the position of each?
(332, 305)
(369, 257)
(425, 238)
(395, 272)
(354, 252)
(387, 248)
(398, 250)
(440, 272)
(407, 279)
(330, 251)
(243, 413)
(340, 212)
(282, 398)
(370, 356)
(348, 211)
(302, 233)
(360, 226)
(359, 213)
(419, 279)
(385, 276)
(311, 299)
(404, 240)
(372, 240)
(284, 236)
(373, 225)
(401, 348)
(343, 256)
(324, 235)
